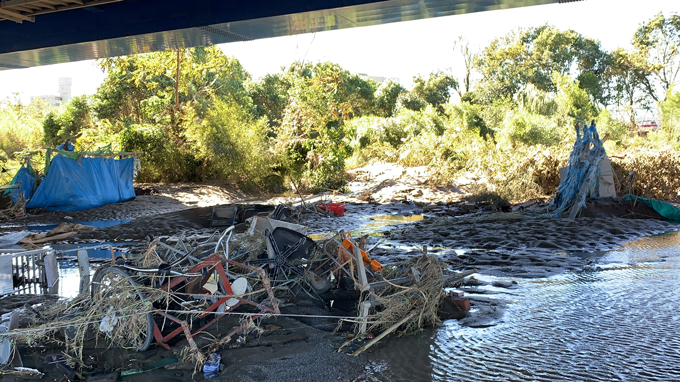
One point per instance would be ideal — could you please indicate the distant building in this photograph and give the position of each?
(379, 80)
(64, 93)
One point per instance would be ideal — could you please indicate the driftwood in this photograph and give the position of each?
(384, 334)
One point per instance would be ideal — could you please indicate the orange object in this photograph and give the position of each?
(349, 246)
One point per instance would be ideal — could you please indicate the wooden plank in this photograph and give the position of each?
(361, 270)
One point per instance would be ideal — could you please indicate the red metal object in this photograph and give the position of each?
(216, 262)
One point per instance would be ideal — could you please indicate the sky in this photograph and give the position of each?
(399, 50)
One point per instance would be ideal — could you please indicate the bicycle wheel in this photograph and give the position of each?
(126, 318)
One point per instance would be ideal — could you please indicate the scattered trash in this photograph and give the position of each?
(223, 216)
(211, 367)
(5, 347)
(59, 361)
(152, 366)
(664, 209)
(183, 287)
(62, 231)
(109, 322)
(107, 377)
(22, 372)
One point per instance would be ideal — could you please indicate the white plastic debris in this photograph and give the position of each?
(108, 322)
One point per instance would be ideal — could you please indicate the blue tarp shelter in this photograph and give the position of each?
(25, 178)
(83, 183)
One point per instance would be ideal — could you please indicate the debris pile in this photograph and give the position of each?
(179, 289)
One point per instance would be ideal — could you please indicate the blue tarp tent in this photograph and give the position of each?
(82, 183)
(26, 181)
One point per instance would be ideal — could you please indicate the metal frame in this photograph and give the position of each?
(213, 263)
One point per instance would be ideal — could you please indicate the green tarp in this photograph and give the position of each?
(664, 209)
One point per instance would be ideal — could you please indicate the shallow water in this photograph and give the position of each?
(378, 223)
(618, 322)
(69, 273)
(373, 224)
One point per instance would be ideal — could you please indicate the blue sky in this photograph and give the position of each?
(400, 50)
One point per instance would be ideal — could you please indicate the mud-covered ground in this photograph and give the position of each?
(403, 216)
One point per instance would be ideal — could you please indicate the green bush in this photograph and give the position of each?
(406, 138)
(163, 157)
(530, 129)
(608, 126)
(670, 119)
(234, 147)
(67, 124)
(20, 126)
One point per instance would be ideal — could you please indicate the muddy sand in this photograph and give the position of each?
(519, 244)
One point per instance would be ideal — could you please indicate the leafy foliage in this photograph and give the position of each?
(310, 141)
(435, 91)
(234, 147)
(670, 119)
(658, 42)
(67, 125)
(270, 96)
(531, 56)
(196, 115)
(386, 98)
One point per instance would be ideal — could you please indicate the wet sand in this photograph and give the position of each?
(520, 248)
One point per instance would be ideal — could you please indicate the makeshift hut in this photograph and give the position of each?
(81, 180)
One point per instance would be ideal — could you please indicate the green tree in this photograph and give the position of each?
(233, 146)
(468, 62)
(67, 125)
(573, 102)
(310, 139)
(531, 56)
(436, 91)
(670, 118)
(630, 82)
(21, 125)
(386, 98)
(141, 88)
(270, 96)
(658, 41)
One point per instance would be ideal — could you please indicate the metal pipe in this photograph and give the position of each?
(156, 270)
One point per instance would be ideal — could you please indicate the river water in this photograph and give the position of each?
(618, 321)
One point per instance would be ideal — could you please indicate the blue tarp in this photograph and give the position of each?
(68, 146)
(583, 172)
(73, 185)
(24, 177)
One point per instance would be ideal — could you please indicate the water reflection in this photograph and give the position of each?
(379, 223)
(93, 223)
(69, 273)
(617, 323)
(376, 224)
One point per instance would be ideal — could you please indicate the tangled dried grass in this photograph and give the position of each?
(422, 298)
(657, 172)
(78, 321)
(516, 174)
(14, 210)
